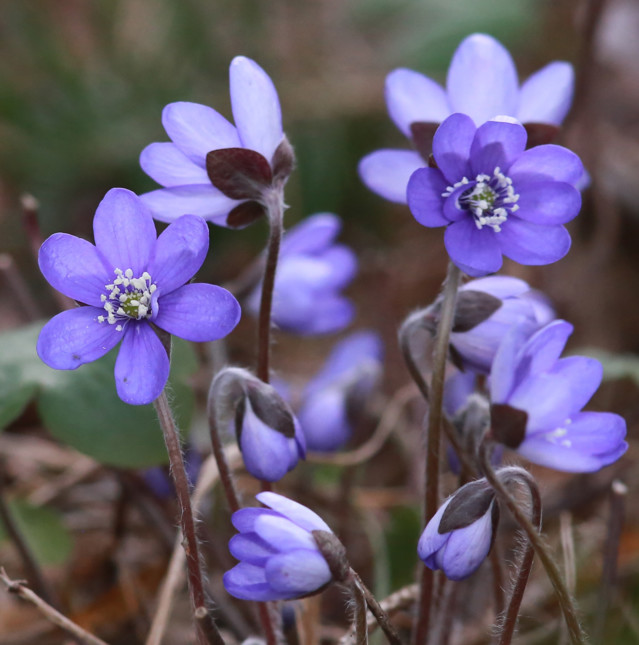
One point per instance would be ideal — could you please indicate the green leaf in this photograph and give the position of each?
(83, 410)
(43, 531)
(21, 371)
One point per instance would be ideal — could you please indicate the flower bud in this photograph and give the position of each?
(268, 434)
(461, 533)
(280, 556)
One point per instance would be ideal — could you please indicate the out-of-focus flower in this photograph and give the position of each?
(311, 273)
(278, 551)
(215, 169)
(338, 393)
(482, 83)
(267, 431)
(130, 279)
(537, 400)
(495, 197)
(459, 536)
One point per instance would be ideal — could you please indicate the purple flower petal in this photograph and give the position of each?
(179, 253)
(587, 442)
(297, 572)
(386, 172)
(550, 162)
(547, 202)
(495, 145)
(482, 79)
(244, 519)
(198, 312)
(451, 147)
(500, 286)
(451, 210)
(167, 204)
(294, 511)
(124, 231)
(324, 420)
(283, 534)
(424, 196)
(251, 548)
(142, 366)
(546, 96)
(75, 337)
(544, 348)
(74, 267)
(256, 107)
(315, 315)
(466, 548)
(166, 164)
(531, 243)
(474, 251)
(197, 129)
(431, 540)
(505, 363)
(312, 235)
(248, 582)
(411, 97)
(553, 396)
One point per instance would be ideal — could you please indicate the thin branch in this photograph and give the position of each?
(20, 589)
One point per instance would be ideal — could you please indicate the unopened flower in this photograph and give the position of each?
(459, 536)
(495, 197)
(279, 554)
(213, 168)
(268, 434)
(338, 393)
(482, 83)
(131, 279)
(311, 274)
(537, 400)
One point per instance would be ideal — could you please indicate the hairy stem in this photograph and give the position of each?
(274, 201)
(431, 494)
(359, 614)
(567, 604)
(207, 632)
(380, 615)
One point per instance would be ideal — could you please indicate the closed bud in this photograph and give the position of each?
(268, 434)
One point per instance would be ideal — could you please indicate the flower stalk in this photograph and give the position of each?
(431, 494)
(207, 632)
(567, 604)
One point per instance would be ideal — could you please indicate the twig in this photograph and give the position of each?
(175, 575)
(19, 287)
(20, 589)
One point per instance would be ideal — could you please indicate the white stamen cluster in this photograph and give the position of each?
(556, 436)
(127, 297)
(490, 200)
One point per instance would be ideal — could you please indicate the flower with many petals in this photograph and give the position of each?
(312, 271)
(537, 400)
(339, 391)
(278, 551)
(131, 279)
(213, 168)
(459, 536)
(495, 197)
(482, 83)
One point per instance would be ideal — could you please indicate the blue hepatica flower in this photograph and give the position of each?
(487, 309)
(279, 556)
(311, 273)
(482, 83)
(196, 130)
(459, 536)
(339, 391)
(131, 279)
(494, 197)
(537, 400)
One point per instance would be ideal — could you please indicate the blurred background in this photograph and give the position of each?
(82, 87)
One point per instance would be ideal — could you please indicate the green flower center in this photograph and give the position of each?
(127, 298)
